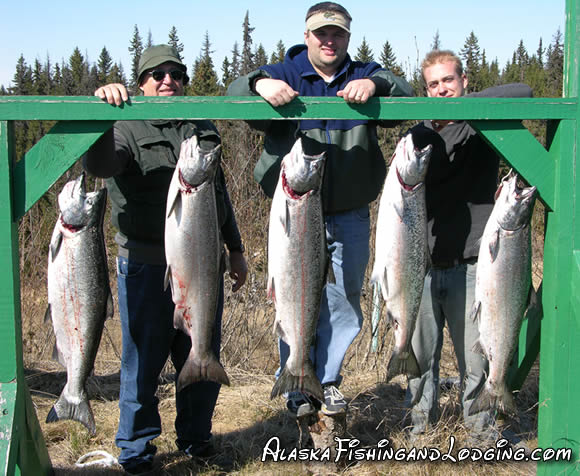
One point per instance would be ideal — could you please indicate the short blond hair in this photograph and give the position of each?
(441, 56)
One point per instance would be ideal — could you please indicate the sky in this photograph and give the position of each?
(39, 29)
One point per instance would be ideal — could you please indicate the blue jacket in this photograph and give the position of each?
(355, 168)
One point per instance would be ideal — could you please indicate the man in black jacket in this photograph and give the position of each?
(460, 186)
(138, 159)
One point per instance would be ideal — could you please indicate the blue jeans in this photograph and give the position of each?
(340, 321)
(448, 296)
(149, 338)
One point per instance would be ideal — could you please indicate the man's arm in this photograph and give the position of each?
(513, 90)
(105, 158)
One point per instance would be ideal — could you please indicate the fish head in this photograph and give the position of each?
(411, 162)
(302, 173)
(514, 204)
(78, 208)
(197, 164)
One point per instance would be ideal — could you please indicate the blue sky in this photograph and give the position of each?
(39, 29)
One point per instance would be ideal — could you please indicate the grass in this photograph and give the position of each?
(245, 418)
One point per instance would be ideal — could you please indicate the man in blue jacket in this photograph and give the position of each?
(354, 174)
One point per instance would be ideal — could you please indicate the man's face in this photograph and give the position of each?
(443, 81)
(327, 47)
(164, 87)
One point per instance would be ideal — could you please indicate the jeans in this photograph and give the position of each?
(340, 320)
(149, 338)
(448, 295)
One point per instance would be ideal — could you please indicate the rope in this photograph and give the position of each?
(107, 459)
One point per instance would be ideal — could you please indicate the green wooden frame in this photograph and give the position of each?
(551, 169)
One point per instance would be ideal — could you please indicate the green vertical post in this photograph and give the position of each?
(22, 447)
(558, 415)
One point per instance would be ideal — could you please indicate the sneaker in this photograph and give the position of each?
(300, 405)
(334, 402)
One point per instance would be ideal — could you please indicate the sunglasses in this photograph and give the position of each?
(159, 75)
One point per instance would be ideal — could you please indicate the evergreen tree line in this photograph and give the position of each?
(541, 69)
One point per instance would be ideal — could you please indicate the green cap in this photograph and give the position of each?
(156, 55)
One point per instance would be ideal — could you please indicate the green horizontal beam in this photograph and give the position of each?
(59, 108)
(51, 157)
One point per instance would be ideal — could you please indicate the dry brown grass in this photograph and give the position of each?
(245, 417)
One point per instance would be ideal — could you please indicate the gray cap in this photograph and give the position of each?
(156, 55)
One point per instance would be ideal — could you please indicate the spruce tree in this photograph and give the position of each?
(174, 41)
(436, 45)
(247, 60)
(79, 73)
(471, 56)
(105, 65)
(540, 54)
(235, 64)
(149, 42)
(204, 81)
(364, 52)
(136, 49)
(389, 60)
(280, 53)
(260, 56)
(227, 76)
(555, 66)
(39, 80)
(22, 81)
(117, 74)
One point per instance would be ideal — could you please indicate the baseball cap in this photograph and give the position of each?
(320, 19)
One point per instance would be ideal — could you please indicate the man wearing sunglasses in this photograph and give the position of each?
(138, 158)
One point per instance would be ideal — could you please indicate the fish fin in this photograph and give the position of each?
(271, 292)
(507, 403)
(475, 311)
(167, 280)
(110, 306)
(55, 245)
(208, 370)
(173, 200)
(48, 314)
(285, 219)
(478, 348)
(399, 209)
(307, 383)
(494, 246)
(179, 322)
(58, 356)
(279, 330)
(403, 364)
(64, 409)
(330, 276)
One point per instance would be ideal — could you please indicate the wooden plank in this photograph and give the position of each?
(523, 152)
(255, 108)
(10, 329)
(8, 444)
(528, 344)
(52, 156)
(558, 416)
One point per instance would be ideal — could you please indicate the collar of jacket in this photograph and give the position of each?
(164, 122)
(299, 55)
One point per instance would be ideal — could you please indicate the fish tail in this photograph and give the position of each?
(64, 409)
(403, 363)
(492, 398)
(307, 383)
(196, 370)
